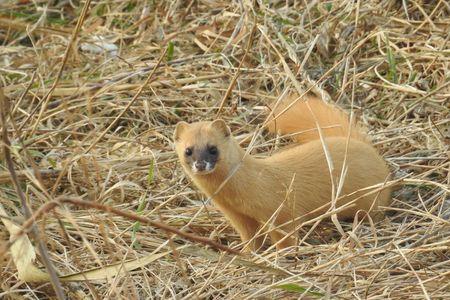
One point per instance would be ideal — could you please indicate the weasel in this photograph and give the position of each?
(293, 185)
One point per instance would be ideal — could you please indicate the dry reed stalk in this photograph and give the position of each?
(86, 125)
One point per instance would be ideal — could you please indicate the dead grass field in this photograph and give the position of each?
(93, 91)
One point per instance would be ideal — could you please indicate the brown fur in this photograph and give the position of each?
(291, 183)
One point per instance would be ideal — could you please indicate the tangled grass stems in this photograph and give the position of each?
(102, 127)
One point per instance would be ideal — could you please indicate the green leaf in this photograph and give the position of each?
(36, 153)
(130, 6)
(52, 162)
(141, 206)
(57, 21)
(295, 288)
(100, 10)
(392, 74)
(170, 49)
(151, 173)
(412, 77)
(134, 242)
(137, 225)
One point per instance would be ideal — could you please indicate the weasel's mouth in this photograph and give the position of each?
(202, 168)
(203, 172)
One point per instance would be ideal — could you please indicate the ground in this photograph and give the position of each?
(93, 92)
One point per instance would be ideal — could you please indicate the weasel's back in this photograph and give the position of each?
(300, 118)
(306, 170)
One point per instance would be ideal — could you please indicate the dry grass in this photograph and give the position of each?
(89, 127)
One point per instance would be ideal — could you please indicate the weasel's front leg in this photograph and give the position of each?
(246, 226)
(277, 236)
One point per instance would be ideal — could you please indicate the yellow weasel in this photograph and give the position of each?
(293, 185)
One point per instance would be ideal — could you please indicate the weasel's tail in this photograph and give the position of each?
(301, 123)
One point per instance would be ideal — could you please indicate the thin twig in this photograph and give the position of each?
(38, 237)
(47, 207)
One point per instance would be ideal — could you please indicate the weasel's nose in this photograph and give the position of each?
(200, 165)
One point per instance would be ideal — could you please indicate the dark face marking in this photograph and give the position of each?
(202, 160)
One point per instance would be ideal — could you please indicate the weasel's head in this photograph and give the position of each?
(201, 146)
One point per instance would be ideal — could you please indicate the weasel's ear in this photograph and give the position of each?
(221, 126)
(181, 126)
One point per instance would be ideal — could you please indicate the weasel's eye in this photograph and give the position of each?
(188, 151)
(212, 150)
